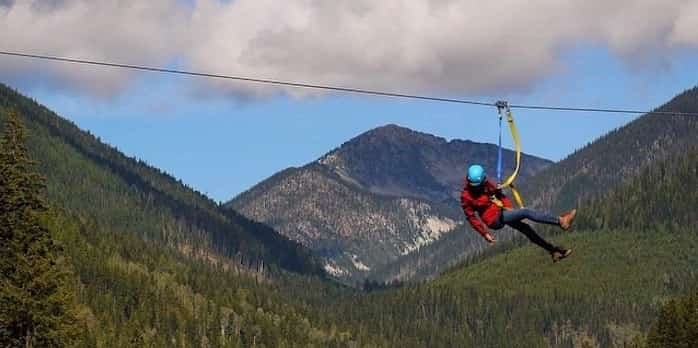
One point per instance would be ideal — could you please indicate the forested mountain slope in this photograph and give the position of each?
(663, 195)
(126, 195)
(617, 156)
(141, 293)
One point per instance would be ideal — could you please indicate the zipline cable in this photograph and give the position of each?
(246, 79)
(337, 88)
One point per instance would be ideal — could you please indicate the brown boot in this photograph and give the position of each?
(560, 254)
(567, 218)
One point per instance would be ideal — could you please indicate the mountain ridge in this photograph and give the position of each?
(616, 156)
(413, 152)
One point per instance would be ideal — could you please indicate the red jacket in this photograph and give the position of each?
(478, 200)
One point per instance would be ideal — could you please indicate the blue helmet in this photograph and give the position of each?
(476, 175)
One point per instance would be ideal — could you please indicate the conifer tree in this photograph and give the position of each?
(36, 307)
(677, 325)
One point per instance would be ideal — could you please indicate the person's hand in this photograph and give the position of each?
(499, 187)
(489, 238)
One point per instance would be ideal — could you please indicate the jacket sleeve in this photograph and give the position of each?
(472, 218)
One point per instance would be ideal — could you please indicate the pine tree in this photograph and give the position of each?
(677, 325)
(36, 307)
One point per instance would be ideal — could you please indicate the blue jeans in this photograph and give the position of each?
(509, 216)
(513, 219)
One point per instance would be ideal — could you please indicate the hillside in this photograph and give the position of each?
(126, 195)
(429, 261)
(617, 156)
(663, 195)
(369, 231)
(381, 196)
(141, 293)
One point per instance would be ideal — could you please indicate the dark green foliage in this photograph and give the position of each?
(677, 325)
(604, 295)
(138, 293)
(664, 194)
(36, 305)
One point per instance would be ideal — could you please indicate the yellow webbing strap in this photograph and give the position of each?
(517, 196)
(509, 182)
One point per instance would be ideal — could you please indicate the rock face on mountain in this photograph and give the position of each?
(378, 197)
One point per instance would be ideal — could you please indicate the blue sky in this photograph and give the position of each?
(222, 139)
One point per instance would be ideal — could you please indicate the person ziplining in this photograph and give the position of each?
(485, 205)
(494, 210)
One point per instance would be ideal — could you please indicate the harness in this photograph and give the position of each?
(502, 110)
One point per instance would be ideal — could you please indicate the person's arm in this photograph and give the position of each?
(475, 221)
(506, 201)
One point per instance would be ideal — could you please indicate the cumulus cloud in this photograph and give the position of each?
(145, 32)
(436, 46)
(685, 29)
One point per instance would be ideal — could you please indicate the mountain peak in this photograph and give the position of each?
(399, 161)
(395, 133)
(390, 128)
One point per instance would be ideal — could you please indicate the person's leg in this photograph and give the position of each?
(514, 215)
(531, 234)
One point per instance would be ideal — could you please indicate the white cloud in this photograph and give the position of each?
(139, 32)
(685, 29)
(438, 46)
